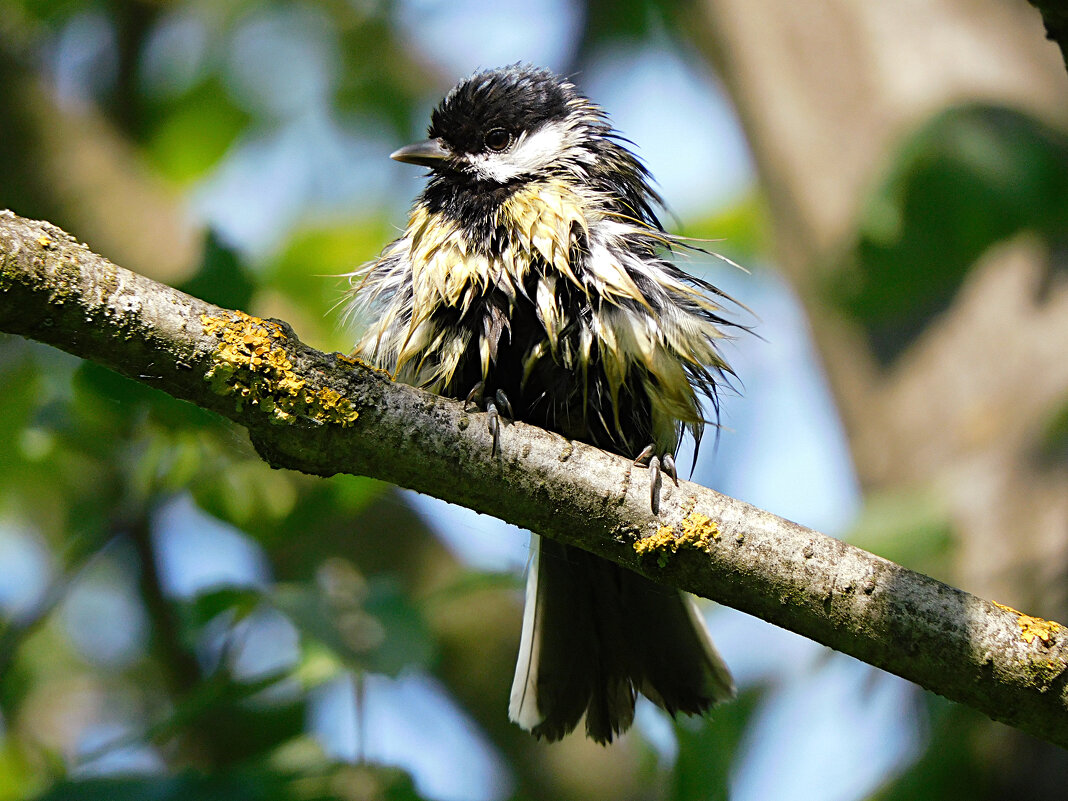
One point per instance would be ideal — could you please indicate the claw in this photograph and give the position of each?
(659, 466)
(477, 397)
(645, 454)
(476, 393)
(668, 464)
(654, 484)
(493, 422)
(505, 404)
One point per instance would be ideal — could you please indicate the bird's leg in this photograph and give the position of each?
(493, 406)
(657, 464)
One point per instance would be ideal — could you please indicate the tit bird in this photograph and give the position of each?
(534, 277)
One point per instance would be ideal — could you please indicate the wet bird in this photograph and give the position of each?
(535, 279)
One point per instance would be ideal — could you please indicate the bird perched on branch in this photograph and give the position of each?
(534, 278)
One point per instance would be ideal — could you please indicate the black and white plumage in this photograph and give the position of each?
(534, 268)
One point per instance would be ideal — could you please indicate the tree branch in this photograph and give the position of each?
(323, 413)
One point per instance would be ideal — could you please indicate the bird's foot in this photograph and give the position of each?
(494, 407)
(657, 464)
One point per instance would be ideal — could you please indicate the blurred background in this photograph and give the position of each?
(178, 621)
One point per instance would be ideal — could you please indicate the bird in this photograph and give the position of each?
(535, 280)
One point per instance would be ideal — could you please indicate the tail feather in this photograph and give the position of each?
(681, 669)
(561, 660)
(594, 634)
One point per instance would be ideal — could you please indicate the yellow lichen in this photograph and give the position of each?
(251, 365)
(369, 366)
(664, 539)
(1031, 627)
(696, 530)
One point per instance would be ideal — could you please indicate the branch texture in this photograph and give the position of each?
(324, 414)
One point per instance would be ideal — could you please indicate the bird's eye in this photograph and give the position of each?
(498, 139)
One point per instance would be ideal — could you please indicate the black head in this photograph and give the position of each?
(500, 126)
(500, 129)
(488, 111)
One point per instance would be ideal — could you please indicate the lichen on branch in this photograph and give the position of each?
(251, 366)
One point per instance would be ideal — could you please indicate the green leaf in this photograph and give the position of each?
(1053, 440)
(310, 274)
(246, 493)
(221, 278)
(18, 401)
(376, 629)
(626, 21)
(707, 747)
(953, 765)
(970, 177)
(408, 641)
(108, 400)
(187, 137)
(336, 783)
(316, 618)
(910, 526)
(17, 771)
(206, 606)
(742, 231)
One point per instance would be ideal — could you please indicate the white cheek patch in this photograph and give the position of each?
(532, 152)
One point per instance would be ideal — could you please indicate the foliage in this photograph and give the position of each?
(972, 176)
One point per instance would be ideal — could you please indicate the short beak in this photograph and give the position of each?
(428, 154)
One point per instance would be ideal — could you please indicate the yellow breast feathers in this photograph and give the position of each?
(544, 220)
